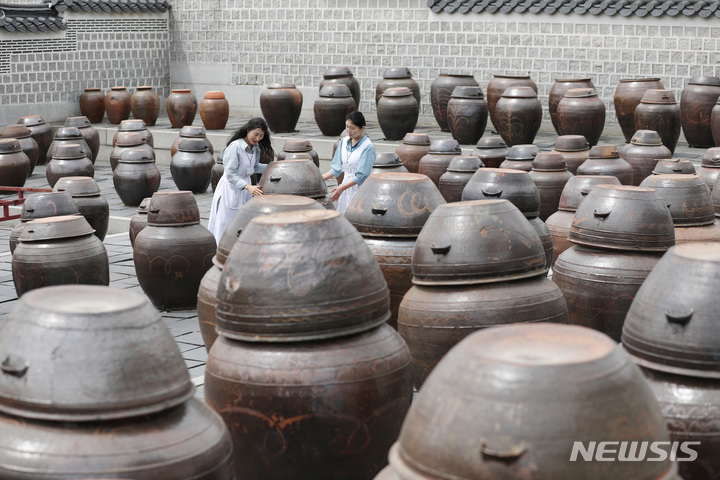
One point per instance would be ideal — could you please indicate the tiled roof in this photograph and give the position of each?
(115, 6)
(625, 8)
(36, 17)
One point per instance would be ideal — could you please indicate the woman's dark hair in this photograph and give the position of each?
(357, 118)
(266, 150)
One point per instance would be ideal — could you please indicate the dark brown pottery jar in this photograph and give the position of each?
(117, 105)
(581, 112)
(386, 163)
(191, 166)
(628, 95)
(69, 160)
(397, 112)
(710, 167)
(281, 105)
(658, 110)
(545, 237)
(181, 107)
(413, 147)
(135, 125)
(520, 157)
(27, 143)
(491, 151)
(138, 221)
(498, 84)
(128, 141)
(440, 91)
(397, 77)
(59, 251)
(458, 174)
(331, 107)
(697, 101)
(674, 166)
(643, 153)
(136, 177)
(88, 132)
(67, 135)
(557, 92)
(145, 105)
(14, 163)
(342, 76)
(467, 114)
(217, 171)
(435, 163)
(90, 204)
(575, 149)
(715, 124)
(605, 160)
(92, 104)
(190, 131)
(214, 110)
(293, 177)
(173, 253)
(499, 183)
(41, 205)
(41, 132)
(518, 114)
(346, 397)
(295, 146)
(549, 173)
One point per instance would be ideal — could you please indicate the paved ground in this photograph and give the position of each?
(184, 324)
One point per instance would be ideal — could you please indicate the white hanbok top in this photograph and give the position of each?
(356, 161)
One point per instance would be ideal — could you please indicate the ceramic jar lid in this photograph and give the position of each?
(281, 85)
(68, 133)
(517, 186)
(175, 90)
(686, 196)
(214, 95)
(462, 91)
(549, 162)
(192, 132)
(397, 92)
(69, 151)
(416, 139)
(522, 152)
(578, 187)
(567, 80)
(297, 176)
(130, 139)
(336, 72)
(397, 72)
(77, 186)
(133, 125)
(604, 151)
(41, 205)
(136, 155)
(635, 80)
(173, 209)
(519, 92)
(297, 145)
(464, 164)
(657, 96)
(79, 122)
(387, 160)
(646, 137)
(335, 90)
(56, 228)
(490, 142)
(32, 120)
(571, 143)
(674, 166)
(711, 158)
(10, 145)
(15, 131)
(581, 93)
(445, 147)
(192, 145)
(705, 80)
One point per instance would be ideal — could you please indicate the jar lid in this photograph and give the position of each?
(143, 87)
(78, 122)
(464, 164)
(65, 133)
(173, 209)
(335, 72)
(15, 131)
(192, 132)
(458, 75)
(491, 142)
(397, 72)
(181, 90)
(387, 160)
(578, 187)
(134, 125)
(69, 151)
(569, 80)
(56, 228)
(522, 152)
(297, 145)
(130, 139)
(9, 145)
(711, 158)
(519, 92)
(47, 204)
(214, 95)
(686, 196)
(416, 139)
(92, 89)
(511, 76)
(117, 88)
(464, 91)
(644, 80)
(192, 145)
(397, 92)
(646, 137)
(604, 151)
(143, 207)
(32, 120)
(77, 186)
(581, 93)
(571, 143)
(674, 166)
(338, 90)
(549, 162)
(445, 147)
(281, 85)
(705, 80)
(663, 97)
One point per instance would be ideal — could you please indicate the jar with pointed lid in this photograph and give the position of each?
(605, 160)
(413, 147)
(435, 163)
(643, 153)
(550, 174)
(520, 157)
(491, 151)
(458, 174)
(659, 111)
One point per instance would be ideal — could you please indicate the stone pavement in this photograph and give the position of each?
(184, 324)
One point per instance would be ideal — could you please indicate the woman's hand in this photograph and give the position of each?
(254, 190)
(336, 192)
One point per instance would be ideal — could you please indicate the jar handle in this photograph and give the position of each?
(602, 214)
(378, 210)
(677, 169)
(506, 451)
(584, 192)
(13, 365)
(489, 193)
(440, 250)
(153, 210)
(680, 317)
(275, 179)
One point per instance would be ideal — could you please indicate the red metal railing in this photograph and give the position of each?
(6, 203)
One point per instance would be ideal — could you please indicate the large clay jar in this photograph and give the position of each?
(413, 147)
(331, 107)
(491, 151)
(88, 132)
(533, 371)
(715, 123)
(145, 105)
(92, 104)
(605, 160)
(136, 177)
(217, 171)
(575, 150)
(214, 110)
(41, 132)
(138, 221)
(281, 105)
(69, 135)
(342, 76)
(14, 163)
(135, 125)
(27, 143)
(117, 105)
(467, 114)
(128, 141)
(294, 147)
(397, 77)
(293, 177)
(173, 253)
(498, 84)
(710, 167)
(190, 131)
(549, 173)
(59, 251)
(520, 157)
(627, 97)
(518, 114)
(659, 111)
(435, 163)
(386, 163)
(181, 107)
(459, 172)
(90, 204)
(191, 166)
(557, 92)
(581, 112)
(697, 101)
(69, 160)
(41, 205)
(643, 153)
(397, 112)
(441, 90)
(674, 166)
(498, 183)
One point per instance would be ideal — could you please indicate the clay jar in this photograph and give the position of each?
(581, 112)
(458, 174)
(92, 104)
(414, 146)
(643, 153)
(88, 132)
(299, 176)
(397, 112)
(217, 171)
(574, 149)
(41, 132)
(628, 95)
(518, 115)
(134, 126)
(117, 105)
(14, 163)
(467, 114)
(281, 105)
(59, 251)
(697, 101)
(138, 221)
(498, 84)
(173, 253)
(295, 146)
(331, 107)
(435, 163)
(136, 176)
(397, 77)
(441, 90)
(126, 141)
(520, 157)
(605, 160)
(557, 92)
(181, 107)
(674, 166)
(90, 204)
(28, 144)
(191, 166)
(710, 167)
(190, 131)
(214, 110)
(715, 123)
(41, 205)
(550, 175)
(659, 111)
(491, 151)
(69, 160)
(386, 163)
(67, 135)
(145, 105)
(342, 76)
